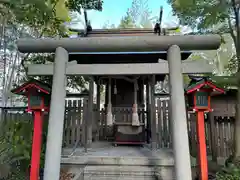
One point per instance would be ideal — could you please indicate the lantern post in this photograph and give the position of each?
(38, 95)
(199, 94)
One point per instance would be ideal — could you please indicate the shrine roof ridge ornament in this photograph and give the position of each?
(120, 44)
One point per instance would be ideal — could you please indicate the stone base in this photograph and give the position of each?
(120, 163)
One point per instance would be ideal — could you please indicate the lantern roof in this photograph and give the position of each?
(32, 84)
(200, 82)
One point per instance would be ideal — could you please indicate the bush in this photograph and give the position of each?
(231, 171)
(15, 146)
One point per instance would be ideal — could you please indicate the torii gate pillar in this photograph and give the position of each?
(56, 117)
(178, 116)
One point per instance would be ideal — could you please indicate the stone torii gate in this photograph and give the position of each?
(174, 67)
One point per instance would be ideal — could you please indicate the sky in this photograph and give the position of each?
(113, 12)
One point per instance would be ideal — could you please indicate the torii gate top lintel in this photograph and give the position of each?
(120, 44)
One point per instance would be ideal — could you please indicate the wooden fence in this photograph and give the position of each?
(219, 130)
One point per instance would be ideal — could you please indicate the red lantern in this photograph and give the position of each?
(38, 95)
(199, 94)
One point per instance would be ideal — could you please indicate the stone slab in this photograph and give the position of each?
(120, 155)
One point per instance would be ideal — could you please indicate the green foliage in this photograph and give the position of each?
(15, 145)
(207, 13)
(126, 22)
(76, 5)
(230, 172)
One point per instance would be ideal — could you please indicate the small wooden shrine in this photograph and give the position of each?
(125, 61)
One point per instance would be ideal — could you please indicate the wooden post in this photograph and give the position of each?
(160, 119)
(202, 149)
(98, 110)
(85, 124)
(213, 136)
(105, 115)
(148, 111)
(165, 124)
(153, 114)
(36, 145)
(90, 113)
(109, 105)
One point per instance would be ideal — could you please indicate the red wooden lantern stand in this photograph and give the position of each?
(199, 94)
(202, 148)
(38, 95)
(36, 145)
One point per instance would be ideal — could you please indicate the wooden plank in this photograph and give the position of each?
(74, 125)
(153, 113)
(160, 119)
(85, 123)
(98, 110)
(168, 123)
(228, 137)
(90, 112)
(165, 129)
(65, 126)
(193, 134)
(225, 137)
(82, 121)
(221, 134)
(102, 123)
(69, 123)
(79, 121)
(218, 137)
(232, 130)
(188, 67)
(213, 137)
(206, 124)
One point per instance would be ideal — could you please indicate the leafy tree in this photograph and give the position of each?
(76, 5)
(219, 17)
(126, 22)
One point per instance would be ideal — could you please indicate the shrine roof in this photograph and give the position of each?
(33, 83)
(198, 82)
(122, 57)
(121, 32)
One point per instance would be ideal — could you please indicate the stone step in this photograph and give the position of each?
(118, 173)
(125, 173)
